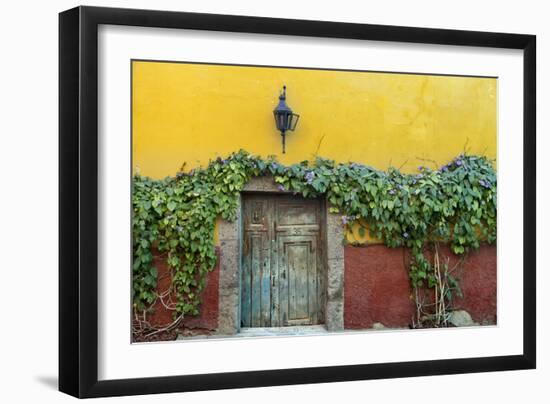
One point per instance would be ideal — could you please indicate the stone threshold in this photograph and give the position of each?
(278, 331)
(290, 331)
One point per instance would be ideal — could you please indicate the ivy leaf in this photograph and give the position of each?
(149, 280)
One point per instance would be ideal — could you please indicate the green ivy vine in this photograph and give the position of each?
(455, 204)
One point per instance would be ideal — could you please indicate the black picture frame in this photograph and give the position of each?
(78, 201)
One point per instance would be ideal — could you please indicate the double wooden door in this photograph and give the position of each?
(281, 282)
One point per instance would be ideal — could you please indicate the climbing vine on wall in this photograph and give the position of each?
(454, 204)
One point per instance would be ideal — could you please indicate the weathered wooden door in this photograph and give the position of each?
(281, 281)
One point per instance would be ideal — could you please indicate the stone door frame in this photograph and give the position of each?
(230, 239)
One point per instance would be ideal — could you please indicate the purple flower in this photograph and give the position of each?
(309, 177)
(420, 168)
(344, 220)
(484, 184)
(274, 166)
(280, 187)
(405, 235)
(224, 161)
(458, 162)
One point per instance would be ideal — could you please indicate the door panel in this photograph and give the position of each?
(281, 263)
(297, 258)
(297, 213)
(298, 279)
(256, 276)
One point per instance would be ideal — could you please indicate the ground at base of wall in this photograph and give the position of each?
(157, 337)
(457, 318)
(172, 335)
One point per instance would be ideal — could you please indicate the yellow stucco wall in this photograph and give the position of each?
(192, 113)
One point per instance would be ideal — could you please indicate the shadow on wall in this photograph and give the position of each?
(51, 382)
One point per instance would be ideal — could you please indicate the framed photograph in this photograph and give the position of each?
(249, 201)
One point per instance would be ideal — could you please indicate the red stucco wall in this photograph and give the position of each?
(479, 285)
(207, 320)
(376, 286)
(376, 289)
